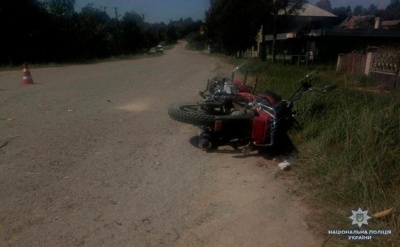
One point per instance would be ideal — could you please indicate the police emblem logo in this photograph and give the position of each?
(359, 217)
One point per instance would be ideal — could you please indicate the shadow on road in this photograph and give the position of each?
(282, 147)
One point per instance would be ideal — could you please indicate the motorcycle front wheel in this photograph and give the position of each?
(191, 113)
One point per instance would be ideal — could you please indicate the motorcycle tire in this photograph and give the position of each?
(191, 113)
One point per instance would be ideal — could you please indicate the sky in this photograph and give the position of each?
(153, 10)
(166, 10)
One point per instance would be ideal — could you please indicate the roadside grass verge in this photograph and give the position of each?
(349, 149)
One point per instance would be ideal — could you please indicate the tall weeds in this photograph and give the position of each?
(349, 145)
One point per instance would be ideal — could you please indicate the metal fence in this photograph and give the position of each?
(386, 61)
(385, 68)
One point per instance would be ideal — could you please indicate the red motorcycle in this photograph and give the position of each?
(231, 110)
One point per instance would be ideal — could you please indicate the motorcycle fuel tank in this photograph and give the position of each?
(261, 132)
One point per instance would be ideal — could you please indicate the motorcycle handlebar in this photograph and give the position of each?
(309, 77)
(324, 90)
(305, 84)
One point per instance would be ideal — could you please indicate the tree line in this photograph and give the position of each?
(233, 25)
(391, 12)
(52, 31)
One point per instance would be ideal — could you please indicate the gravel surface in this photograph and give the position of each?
(89, 157)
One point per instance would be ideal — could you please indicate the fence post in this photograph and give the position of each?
(339, 62)
(369, 62)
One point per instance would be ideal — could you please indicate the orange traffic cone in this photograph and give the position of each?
(27, 78)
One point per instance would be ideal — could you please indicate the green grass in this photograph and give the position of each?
(349, 147)
(350, 152)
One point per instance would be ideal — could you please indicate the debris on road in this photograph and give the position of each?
(4, 144)
(284, 166)
(383, 213)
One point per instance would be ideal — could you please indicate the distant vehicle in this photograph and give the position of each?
(159, 49)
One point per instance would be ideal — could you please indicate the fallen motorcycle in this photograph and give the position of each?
(231, 110)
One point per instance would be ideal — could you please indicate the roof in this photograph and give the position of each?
(390, 23)
(385, 24)
(382, 33)
(356, 18)
(309, 10)
(369, 33)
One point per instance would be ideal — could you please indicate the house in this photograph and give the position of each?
(290, 36)
(391, 25)
(355, 22)
(316, 34)
(369, 22)
(345, 38)
(292, 27)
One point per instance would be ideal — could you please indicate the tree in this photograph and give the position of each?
(150, 36)
(279, 13)
(394, 5)
(392, 12)
(60, 7)
(372, 9)
(54, 32)
(131, 32)
(324, 4)
(64, 41)
(232, 24)
(359, 10)
(172, 35)
(348, 10)
(22, 44)
(93, 30)
(342, 12)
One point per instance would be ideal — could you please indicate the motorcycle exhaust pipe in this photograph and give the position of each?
(205, 141)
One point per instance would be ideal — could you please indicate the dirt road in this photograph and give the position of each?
(89, 157)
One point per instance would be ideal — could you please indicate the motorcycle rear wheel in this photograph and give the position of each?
(191, 113)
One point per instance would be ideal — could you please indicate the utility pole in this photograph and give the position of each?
(118, 36)
(143, 17)
(116, 13)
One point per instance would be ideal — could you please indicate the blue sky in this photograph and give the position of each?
(165, 10)
(154, 10)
